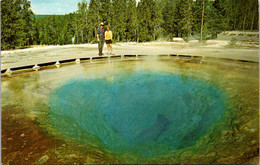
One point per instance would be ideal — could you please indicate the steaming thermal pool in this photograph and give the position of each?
(148, 114)
(159, 110)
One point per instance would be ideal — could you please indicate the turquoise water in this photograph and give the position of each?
(148, 114)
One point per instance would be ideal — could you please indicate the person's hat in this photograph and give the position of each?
(102, 24)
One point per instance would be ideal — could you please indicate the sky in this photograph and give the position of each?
(50, 7)
(54, 6)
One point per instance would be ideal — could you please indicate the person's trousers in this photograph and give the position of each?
(101, 45)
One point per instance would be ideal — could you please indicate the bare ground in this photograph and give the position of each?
(213, 48)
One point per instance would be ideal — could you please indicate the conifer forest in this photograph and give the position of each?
(130, 21)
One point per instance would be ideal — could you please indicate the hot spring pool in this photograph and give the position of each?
(156, 110)
(147, 113)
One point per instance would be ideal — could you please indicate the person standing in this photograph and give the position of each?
(108, 38)
(101, 38)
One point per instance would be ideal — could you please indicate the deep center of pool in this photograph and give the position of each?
(146, 114)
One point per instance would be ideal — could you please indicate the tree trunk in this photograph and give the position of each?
(137, 37)
(202, 17)
(252, 23)
(77, 34)
(82, 35)
(244, 22)
(154, 34)
(189, 19)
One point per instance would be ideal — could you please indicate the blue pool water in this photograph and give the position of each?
(148, 114)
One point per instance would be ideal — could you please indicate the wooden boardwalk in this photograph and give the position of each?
(77, 60)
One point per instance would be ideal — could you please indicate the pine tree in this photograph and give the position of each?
(16, 21)
(105, 12)
(93, 20)
(184, 18)
(9, 19)
(216, 18)
(27, 19)
(119, 17)
(82, 21)
(169, 24)
(131, 20)
(35, 36)
(158, 19)
(147, 17)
